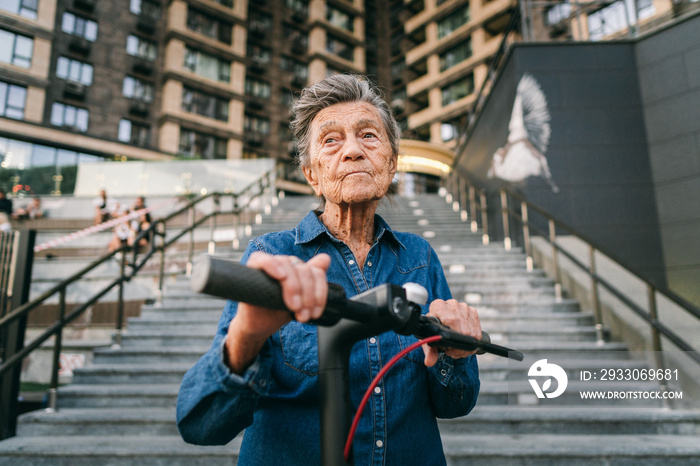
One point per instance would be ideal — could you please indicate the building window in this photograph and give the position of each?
(297, 38)
(340, 48)
(78, 26)
(16, 49)
(70, 117)
(259, 53)
(142, 48)
(146, 8)
(454, 20)
(74, 70)
(457, 90)
(257, 88)
(201, 146)
(558, 13)
(12, 100)
(137, 89)
(256, 125)
(448, 130)
(340, 18)
(134, 133)
(208, 26)
(299, 6)
(207, 66)
(456, 55)
(26, 8)
(204, 104)
(294, 66)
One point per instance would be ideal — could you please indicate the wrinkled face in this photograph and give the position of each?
(350, 154)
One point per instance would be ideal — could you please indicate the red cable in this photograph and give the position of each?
(375, 382)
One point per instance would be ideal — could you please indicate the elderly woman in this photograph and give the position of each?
(261, 372)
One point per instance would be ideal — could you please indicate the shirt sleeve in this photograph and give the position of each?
(214, 404)
(453, 383)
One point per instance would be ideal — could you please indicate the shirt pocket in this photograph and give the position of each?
(417, 354)
(300, 347)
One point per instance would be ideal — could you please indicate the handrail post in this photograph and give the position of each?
(507, 242)
(190, 245)
(56, 360)
(456, 196)
(595, 296)
(463, 199)
(235, 244)
(526, 236)
(448, 185)
(484, 219)
(117, 341)
(21, 251)
(472, 207)
(161, 270)
(555, 260)
(211, 247)
(656, 339)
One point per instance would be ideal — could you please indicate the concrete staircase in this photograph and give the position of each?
(120, 410)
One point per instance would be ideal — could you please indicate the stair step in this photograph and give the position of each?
(571, 450)
(105, 421)
(159, 373)
(516, 420)
(99, 450)
(520, 392)
(173, 355)
(117, 395)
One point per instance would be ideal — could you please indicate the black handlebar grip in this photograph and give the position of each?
(230, 280)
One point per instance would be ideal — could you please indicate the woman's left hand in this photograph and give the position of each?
(461, 318)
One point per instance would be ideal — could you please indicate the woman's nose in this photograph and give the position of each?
(352, 149)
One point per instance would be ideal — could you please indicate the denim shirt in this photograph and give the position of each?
(276, 400)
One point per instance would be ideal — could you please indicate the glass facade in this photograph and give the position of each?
(44, 169)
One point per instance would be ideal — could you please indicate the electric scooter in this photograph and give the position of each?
(344, 322)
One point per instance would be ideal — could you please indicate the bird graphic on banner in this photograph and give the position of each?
(528, 137)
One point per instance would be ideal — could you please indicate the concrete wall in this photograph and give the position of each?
(597, 153)
(669, 77)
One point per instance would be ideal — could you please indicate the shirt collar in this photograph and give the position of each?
(311, 227)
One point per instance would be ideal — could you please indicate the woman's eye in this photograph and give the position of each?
(369, 135)
(329, 140)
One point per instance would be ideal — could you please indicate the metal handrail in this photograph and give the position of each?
(653, 288)
(261, 188)
(455, 184)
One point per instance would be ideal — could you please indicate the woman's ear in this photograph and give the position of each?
(312, 179)
(393, 165)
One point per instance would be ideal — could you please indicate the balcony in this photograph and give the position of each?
(80, 45)
(147, 22)
(256, 104)
(257, 30)
(139, 108)
(298, 46)
(74, 90)
(298, 81)
(142, 66)
(257, 66)
(85, 5)
(253, 139)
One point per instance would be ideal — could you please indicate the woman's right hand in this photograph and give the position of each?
(304, 291)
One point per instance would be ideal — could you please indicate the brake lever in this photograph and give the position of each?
(429, 325)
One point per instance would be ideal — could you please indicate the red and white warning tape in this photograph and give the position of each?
(97, 228)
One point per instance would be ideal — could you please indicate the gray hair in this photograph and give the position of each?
(335, 89)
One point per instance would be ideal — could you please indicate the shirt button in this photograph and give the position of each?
(380, 444)
(262, 382)
(377, 390)
(373, 340)
(369, 263)
(351, 262)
